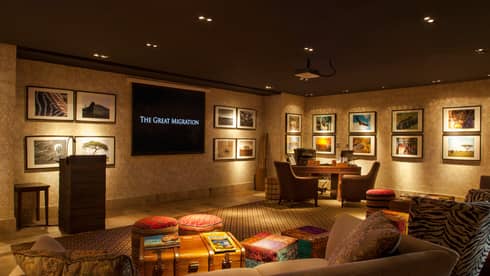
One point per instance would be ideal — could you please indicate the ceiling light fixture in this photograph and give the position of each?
(429, 19)
(268, 87)
(204, 18)
(308, 94)
(151, 45)
(481, 51)
(307, 73)
(102, 56)
(436, 81)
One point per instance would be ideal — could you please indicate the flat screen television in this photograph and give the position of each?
(167, 120)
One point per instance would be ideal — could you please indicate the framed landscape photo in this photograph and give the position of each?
(406, 146)
(364, 145)
(362, 121)
(224, 116)
(49, 104)
(293, 123)
(410, 120)
(324, 144)
(97, 145)
(292, 142)
(224, 149)
(245, 149)
(44, 152)
(461, 147)
(247, 118)
(324, 123)
(95, 107)
(461, 119)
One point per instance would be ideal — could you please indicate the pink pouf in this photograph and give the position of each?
(197, 223)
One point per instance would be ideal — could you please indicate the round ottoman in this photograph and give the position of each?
(150, 226)
(197, 223)
(378, 199)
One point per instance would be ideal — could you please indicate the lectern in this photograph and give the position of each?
(82, 193)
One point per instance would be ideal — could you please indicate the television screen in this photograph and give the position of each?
(167, 120)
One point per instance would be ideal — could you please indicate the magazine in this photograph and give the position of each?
(220, 241)
(162, 241)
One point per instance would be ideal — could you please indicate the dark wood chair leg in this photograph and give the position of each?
(37, 205)
(19, 210)
(341, 203)
(46, 205)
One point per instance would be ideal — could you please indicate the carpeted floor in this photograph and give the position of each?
(242, 220)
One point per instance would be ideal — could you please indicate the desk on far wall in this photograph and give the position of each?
(336, 173)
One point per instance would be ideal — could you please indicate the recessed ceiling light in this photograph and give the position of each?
(481, 51)
(102, 56)
(201, 17)
(151, 45)
(268, 87)
(204, 18)
(429, 19)
(308, 49)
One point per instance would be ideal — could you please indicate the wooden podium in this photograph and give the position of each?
(82, 193)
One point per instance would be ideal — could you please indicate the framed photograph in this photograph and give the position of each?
(49, 104)
(97, 145)
(95, 107)
(293, 123)
(461, 147)
(410, 120)
(323, 123)
(224, 116)
(292, 142)
(224, 149)
(362, 121)
(461, 119)
(44, 152)
(247, 118)
(406, 146)
(324, 144)
(245, 149)
(363, 145)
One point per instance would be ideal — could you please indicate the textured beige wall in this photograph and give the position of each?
(431, 175)
(7, 119)
(161, 177)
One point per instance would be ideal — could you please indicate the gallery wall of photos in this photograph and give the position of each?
(42, 152)
(461, 133)
(230, 149)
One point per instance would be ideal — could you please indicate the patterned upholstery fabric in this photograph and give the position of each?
(265, 247)
(463, 227)
(373, 238)
(311, 241)
(475, 195)
(157, 222)
(196, 223)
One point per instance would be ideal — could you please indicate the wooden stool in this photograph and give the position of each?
(31, 187)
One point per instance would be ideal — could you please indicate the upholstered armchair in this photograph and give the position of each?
(293, 187)
(354, 187)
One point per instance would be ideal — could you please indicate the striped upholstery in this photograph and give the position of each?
(464, 227)
(475, 195)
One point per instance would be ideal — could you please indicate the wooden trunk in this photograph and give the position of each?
(193, 255)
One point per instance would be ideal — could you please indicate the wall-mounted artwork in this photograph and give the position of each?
(324, 144)
(96, 107)
(247, 118)
(293, 123)
(406, 146)
(410, 120)
(224, 116)
(44, 152)
(49, 104)
(97, 145)
(363, 145)
(461, 119)
(461, 147)
(292, 142)
(245, 149)
(224, 149)
(362, 121)
(323, 123)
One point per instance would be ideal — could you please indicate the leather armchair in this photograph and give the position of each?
(354, 187)
(293, 187)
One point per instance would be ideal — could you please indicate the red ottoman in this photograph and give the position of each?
(312, 241)
(378, 199)
(150, 226)
(197, 223)
(265, 247)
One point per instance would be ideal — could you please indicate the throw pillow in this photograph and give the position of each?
(41, 263)
(373, 238)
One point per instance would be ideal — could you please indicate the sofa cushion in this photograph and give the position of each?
(463, 227)
(373, 238)
(475, 195)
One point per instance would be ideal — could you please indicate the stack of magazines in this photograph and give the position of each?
(220, 241)
(162, 241)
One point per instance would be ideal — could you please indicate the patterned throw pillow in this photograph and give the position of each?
(373, 238)
(41, 262)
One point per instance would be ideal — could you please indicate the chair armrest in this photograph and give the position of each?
(307, 177)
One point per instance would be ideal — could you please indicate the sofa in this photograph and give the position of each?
(412, 257)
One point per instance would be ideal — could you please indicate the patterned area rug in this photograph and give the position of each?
(242, 220)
